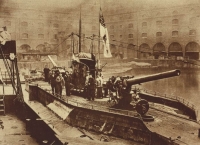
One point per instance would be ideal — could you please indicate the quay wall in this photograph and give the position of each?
(111, 124)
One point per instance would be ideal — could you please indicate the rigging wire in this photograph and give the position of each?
(93, 38)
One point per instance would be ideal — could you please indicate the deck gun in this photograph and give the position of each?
(125, 90)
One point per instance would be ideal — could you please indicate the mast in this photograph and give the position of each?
(80, 31)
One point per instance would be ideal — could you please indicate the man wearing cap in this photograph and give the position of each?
(91, 88)
(68, 81)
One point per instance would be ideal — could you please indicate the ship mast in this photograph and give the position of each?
(80, 31)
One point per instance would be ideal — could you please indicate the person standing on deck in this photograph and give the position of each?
(91, 88)
(46, 73)
(68, 81)
(52, 81)
(59, 84)
(99, 82)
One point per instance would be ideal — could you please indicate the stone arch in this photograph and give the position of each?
(113, 50)
(192, 50)
(121, 51)
(131, 51)
(175, 49)
(41, 48)
(159, 50)
(25, 48)
(144, 51)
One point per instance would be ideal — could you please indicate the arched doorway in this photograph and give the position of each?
(121, 51)
(192, 50)
(41, 48)
(131, 51)
(24, 48)
(113, 50)
(144, 51)
(175, 50)
(159, 51)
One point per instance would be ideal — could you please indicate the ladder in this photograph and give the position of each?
(2, 105)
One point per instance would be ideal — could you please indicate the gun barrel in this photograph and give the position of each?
(153, 77)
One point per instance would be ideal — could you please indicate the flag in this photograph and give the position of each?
(104, 35)
(4, 35)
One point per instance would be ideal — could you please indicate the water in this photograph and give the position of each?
(186, 86)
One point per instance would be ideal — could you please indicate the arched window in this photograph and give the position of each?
(144, 35)
(192, 32)
(158, 23)
(41, 36)
(158, 34)
(24, 36)
(130, 25)
(111, 27)
(130, 35)
(112, 37)
(144, 24)
(175, 12)
(175, 22)
(174, 33)
(24, 24)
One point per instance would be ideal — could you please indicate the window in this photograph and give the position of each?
(24, 36)
(158, 23)
(175, 22)
(111, 27)
(55, 25)
(24, 24)
(120, 36)
(130, 35)
(192, 32)
(174, 33)
(7, 23)
(41, 36)
(120, 26)
(158, 34)
(144, 35)
(111, 37)
(130, 25)
(144, 24)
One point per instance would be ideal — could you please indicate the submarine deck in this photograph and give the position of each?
(167, 121)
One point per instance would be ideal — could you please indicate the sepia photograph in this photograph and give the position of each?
(99, 72)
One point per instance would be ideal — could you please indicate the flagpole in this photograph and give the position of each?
(80, 31)
(98, 65)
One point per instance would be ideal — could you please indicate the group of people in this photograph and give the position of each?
(59, 81)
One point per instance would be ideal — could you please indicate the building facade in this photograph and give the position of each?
(162, 32)
(136, 29)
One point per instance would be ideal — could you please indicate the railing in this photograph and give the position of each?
(172, 97)
(92, 106)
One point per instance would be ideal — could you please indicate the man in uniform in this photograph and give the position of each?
(68, 81)
(46, 73)
(52, 80)
(91, 88)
